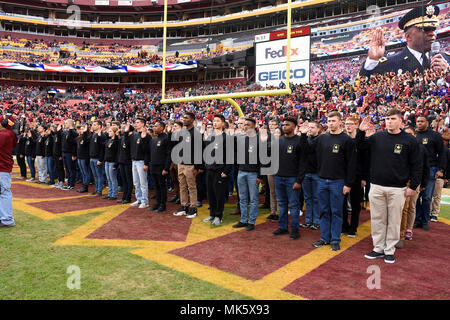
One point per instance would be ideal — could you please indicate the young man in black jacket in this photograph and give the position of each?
(361, 177)
(20, 154)
(394, 160)
(311, 181)
(96, 155)
(434, 145)
(139, 149)
(188, 168)
(159, 158)
(249, 176)
(336, 168)
(48, 151)
(83, 141)
(124, 162)
(217, 169)
(30, 153)
(40, 154)
(69, 153)
(110, 159)
(409, 209)
(289, 178)
(57, 155)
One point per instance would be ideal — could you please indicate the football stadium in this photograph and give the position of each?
(224, 150)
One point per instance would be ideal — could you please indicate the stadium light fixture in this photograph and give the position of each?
(229, 96)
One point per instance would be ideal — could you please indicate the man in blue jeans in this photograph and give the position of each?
(311, 182)
(248, 175)
(8, 141)
(288, 179)
(434, 146)
(96, 154)
(139, 148)
(336, 168)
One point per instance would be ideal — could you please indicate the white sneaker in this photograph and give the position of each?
(300, 213)
(135, 204)
(217, 221)
(209, 219)
(143, 206)
(29, 180)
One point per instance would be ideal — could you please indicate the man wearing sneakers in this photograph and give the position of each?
(434, 145)
(336, 168)
(8, 141)
(217, 170)
(288, 179)
(409, 209)
(69, 153)
(189, 164)
(159, 163)
(249, 178)
(57, 155)
(394, 159)
(311, 181)
(139, 148)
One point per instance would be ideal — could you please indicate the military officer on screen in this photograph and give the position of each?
(410, 59)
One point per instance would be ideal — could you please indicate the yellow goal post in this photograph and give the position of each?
(229, 96)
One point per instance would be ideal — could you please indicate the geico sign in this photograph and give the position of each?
(280, 75)
(280, 53)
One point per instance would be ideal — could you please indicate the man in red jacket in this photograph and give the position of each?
(8, 141)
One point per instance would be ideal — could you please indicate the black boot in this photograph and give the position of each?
(83, 189)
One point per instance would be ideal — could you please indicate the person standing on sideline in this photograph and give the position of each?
(311, 181)
(187, 169)
(139, 141)
(83, 140)
(158, 159)
(240, 131)
(48, 152)
(291, 171)
(217, 171)
(409, 209)
(434, 145)
(395, 160)
(57, 155)
(69, 153)
(177, 126)
(355, 196)
(30, 153)
(96, 155)
(111, 148)
(20, 155)
(124, 161)
(40, 154)
(336, 169)
(270, 180)
(436, 201)
(249, 178)
(8, 141)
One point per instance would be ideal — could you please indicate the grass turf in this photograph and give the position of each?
(32, 268)
(445, 211)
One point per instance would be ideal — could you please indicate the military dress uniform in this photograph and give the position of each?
(405, 60)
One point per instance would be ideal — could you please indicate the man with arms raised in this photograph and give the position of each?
(395, 159)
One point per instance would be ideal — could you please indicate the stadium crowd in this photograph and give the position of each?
(124, 141)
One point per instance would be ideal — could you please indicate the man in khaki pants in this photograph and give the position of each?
(436, 201)
(409, 210)
(188, 167)
(395, 159)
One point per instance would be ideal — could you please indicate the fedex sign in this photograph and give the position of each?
(280, 53)
(276, 51)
